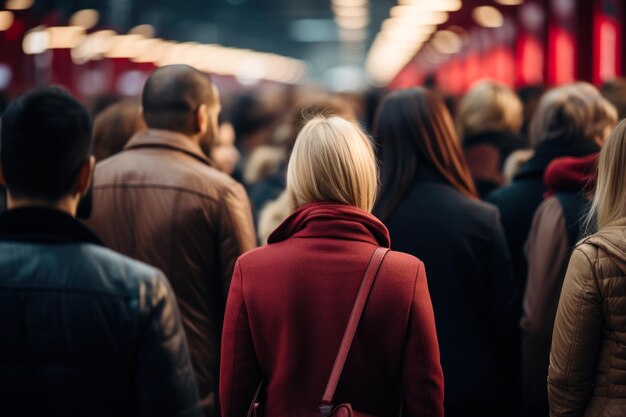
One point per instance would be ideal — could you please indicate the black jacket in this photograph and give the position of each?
(85, 331)
(476, 306)
(519, 200)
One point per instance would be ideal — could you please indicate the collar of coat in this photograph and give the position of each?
(44, 225)
(550, 149)
(167, 139)
(332, 220)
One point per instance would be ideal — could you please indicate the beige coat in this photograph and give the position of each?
(587, 373)
(547, 252)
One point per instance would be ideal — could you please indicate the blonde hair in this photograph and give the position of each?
(609, 201)
(572, 111)
(332, 160)
(489, 107)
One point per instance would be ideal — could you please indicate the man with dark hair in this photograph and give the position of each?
(83, 330)
(161, 201)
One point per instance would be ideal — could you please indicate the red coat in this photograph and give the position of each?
(288, 307)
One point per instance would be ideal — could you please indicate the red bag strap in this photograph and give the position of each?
(357, 310)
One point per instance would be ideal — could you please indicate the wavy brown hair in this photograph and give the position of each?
(413, 127)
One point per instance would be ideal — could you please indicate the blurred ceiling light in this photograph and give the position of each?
(509, 2)
(147, 31)
(349, 3)
(447, 42)
(151, 50)
(352, 22)
(434, 5)
(123, 46)
(404, 35)
(6, 20)
(62, 37)
(252, 70)
(350, 11)
(87, 18)
(36, 41)
(426, 17)
(19, 4)
(488, 16)
(406, 24)
(93, 46)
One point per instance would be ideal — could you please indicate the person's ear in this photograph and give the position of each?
(202, 119)
(2, 180)
(85, 175)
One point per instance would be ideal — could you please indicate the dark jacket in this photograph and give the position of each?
(485, 154)
(85, 331)
(476, 304)
(267, 190)
(160, 201)
(555, 229)
(288, 309)
(519, 200)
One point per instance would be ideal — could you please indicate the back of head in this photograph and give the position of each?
(572, 112)
(489, 107)
(615, 92)
(322, 106)
(172, 96)
(45, 138)
(414, 128)
(332, 160)
(113, 127)
(609, 203)
(249, 116)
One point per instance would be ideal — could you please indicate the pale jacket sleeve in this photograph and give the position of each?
(576, 339)
(547, 253)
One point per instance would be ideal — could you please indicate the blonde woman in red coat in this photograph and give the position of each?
(289, 301)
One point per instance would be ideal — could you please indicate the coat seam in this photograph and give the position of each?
(578, 313)
(156, 186)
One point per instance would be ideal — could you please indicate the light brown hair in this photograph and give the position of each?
(489, 107)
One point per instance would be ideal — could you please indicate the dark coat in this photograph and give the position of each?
(288, 308)
(267, 190)
(556, 227)
(160, 201)
(85, 331)
(519, 200)
(476, 305)
(485, 154)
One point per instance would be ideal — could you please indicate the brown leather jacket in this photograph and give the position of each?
(587, 374)
(161, 202)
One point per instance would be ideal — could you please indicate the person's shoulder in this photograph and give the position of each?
(502, 194)
(116, 272)
(261, 254)
(477, 209)
(403, 261)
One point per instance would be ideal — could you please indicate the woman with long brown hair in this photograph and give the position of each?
(430, 205)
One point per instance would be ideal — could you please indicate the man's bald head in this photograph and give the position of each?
(172, 96)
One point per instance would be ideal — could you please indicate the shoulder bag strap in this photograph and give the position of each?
(359, 305)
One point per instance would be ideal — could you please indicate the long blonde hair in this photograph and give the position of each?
(609, 201)
(332, 160)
